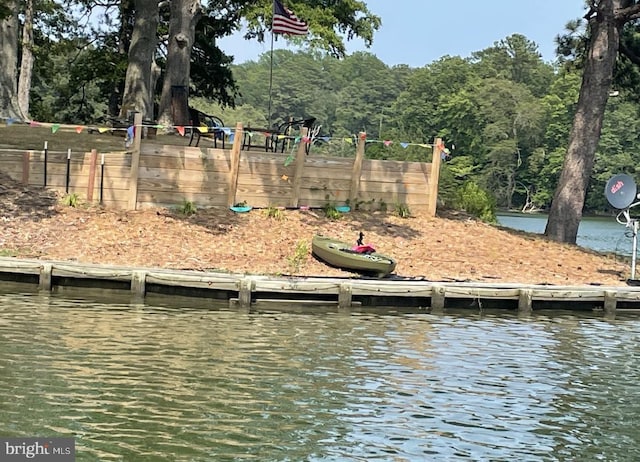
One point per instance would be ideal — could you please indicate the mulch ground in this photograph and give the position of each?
(34, 224)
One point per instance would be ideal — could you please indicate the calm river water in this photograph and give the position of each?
(597, 233)
(182, 382)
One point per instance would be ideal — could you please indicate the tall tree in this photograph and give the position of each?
(185, 15)
(605, 18)
(26, 62)
(9, 107)
(140, 79)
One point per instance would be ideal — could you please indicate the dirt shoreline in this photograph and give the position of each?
(446, 248)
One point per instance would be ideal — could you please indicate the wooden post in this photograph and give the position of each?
(135, 161)
(435, 176)
(356, 172)
(138, 283)
(244, 294)
(26, 158)
(610, 303)
(92, 174)
(437, 299)
(525, 301)
(45, 276)
(301, 155)
(235, 165)
(345, 295)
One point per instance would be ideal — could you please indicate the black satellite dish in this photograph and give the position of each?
(621, 191)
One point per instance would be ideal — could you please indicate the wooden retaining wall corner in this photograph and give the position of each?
(301, 156)
(435, 176)
(356, 172)
(135, 162)
(91, 184)
(234, 168)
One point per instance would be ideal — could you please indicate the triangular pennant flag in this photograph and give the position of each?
(10, 121)
(79, 129)
(424, 145)
(203, 129)
(387, 142)
(348, 140)
(306, 139)
(326, 139)
(102, 129)
(404, 145)
(363, 136)
(180, 130)
(231, 137)
(54, 128)
(281, 137)
(33, 123)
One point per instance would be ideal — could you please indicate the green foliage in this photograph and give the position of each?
(276, 213)
(477, 202)
(71, 200)
(187, 208)
(402, 210)
(331, 212)
(299, 257)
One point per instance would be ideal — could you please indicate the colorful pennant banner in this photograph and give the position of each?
(230, 132)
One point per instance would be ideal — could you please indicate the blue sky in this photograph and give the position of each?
(418, 32)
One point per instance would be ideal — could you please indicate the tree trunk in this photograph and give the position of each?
(9, 69)
(139, 83)
(185, 15)
(26, 63)
(566, 208)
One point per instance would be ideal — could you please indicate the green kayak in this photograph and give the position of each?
(360, 258)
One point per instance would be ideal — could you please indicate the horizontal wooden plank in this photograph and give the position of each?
(162, 198)
(212, 187)
(217, 281)
(185, 163)
(395, 167)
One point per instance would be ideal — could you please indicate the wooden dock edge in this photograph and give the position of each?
(247, 291)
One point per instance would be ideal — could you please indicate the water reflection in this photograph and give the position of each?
(148, 382)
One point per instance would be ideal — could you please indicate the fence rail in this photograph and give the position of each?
(152, 175)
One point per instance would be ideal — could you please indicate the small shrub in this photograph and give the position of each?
(275, 212)
(403, 210)
(383, 205)
(331, 212)
(299, 256)
(476, 202)
(71, 200)
(187, 208)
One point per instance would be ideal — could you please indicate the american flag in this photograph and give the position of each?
(285, 22)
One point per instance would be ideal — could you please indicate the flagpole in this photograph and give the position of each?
(271, 66)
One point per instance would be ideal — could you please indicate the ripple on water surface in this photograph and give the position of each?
(141, 382)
